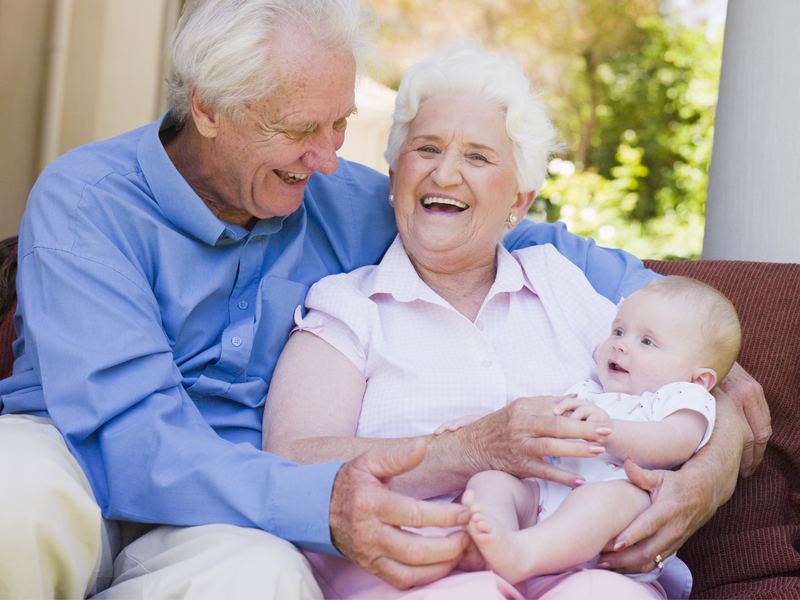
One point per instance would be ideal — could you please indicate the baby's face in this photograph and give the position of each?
(653, 341)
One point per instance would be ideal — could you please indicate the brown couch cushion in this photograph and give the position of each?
(750, 549)
(7, 337)
(8, 303)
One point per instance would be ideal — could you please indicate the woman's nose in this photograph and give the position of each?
(447, 172)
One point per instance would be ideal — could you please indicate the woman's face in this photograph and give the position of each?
(455, 183)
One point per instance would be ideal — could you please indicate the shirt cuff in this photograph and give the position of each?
(300, 508)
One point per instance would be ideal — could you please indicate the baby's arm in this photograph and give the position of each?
(658, 444)
(654, 444)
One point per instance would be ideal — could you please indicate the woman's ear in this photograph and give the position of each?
(523, 203)
(205, 118)
(391, 181)
(705, 377)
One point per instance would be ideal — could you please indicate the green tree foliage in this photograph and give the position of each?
(643, 184)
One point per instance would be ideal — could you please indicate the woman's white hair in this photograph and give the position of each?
(460, 69)
(224, 49)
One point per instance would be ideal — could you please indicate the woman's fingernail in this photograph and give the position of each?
(580, 481)
(603, 565)
(595, 449)
(619, 546)
(604, 430)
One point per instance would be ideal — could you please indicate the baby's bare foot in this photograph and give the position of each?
(500, 546)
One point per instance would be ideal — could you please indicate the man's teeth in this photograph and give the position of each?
(434, 200)
(291, 177)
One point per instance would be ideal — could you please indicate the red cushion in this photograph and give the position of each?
(750, 548)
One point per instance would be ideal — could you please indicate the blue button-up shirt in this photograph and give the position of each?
(149, 329)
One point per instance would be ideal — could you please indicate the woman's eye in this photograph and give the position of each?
(427, 149)
(478, 157)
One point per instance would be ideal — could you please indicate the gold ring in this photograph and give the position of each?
(659, 563)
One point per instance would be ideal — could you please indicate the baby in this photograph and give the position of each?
(670, 343)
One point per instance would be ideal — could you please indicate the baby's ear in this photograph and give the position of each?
(705, 377)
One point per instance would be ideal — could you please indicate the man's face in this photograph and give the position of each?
(261, 166)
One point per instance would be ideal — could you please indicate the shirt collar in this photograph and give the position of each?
(178, 201)
(396, 275)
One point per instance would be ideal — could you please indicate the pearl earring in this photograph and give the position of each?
(391, 199)
(512, 220)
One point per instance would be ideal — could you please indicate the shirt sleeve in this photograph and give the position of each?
(683, 395)
(340, 314)
(614, 274)
(92, 330)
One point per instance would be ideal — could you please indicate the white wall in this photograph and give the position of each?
(753, 206)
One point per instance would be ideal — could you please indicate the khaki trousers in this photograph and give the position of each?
(56, 544)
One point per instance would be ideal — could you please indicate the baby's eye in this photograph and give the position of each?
(617, 332)
(647, 342)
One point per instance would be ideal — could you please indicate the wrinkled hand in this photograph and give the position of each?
(366, 517)
(458, 423)
(681, 503)
(748, 397)
(583, 410)
(517, 437)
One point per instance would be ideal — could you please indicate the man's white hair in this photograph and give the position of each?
(224, 49)
(460, 69)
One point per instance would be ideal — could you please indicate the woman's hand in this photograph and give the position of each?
(516, 438)
(748, 397)
(366, 517)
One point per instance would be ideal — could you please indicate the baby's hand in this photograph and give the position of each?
(458, 423)
(582, 410)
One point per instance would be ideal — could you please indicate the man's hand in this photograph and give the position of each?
(366, 517)
(748, 397)
(681, 504)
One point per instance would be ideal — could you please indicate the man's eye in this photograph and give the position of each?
(340, 125)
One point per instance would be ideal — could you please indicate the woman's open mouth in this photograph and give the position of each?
(439, 204)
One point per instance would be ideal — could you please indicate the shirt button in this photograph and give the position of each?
(242, 304)
(237, 341)
(487, 363)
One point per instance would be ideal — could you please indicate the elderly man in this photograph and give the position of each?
(158, 274)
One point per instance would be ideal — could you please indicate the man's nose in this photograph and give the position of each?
(321, 156)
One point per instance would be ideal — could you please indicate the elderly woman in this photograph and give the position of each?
(450, 323)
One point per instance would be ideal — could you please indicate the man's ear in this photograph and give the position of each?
(205, 118)
(705, 377)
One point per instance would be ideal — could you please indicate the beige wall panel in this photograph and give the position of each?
(131, 71)
(84, 64)
(23, 55)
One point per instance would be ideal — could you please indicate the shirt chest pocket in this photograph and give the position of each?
(274, 321)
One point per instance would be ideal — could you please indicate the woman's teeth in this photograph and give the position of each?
(435, 200)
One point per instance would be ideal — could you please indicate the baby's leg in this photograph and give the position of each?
(576, 532)
(501, 505)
